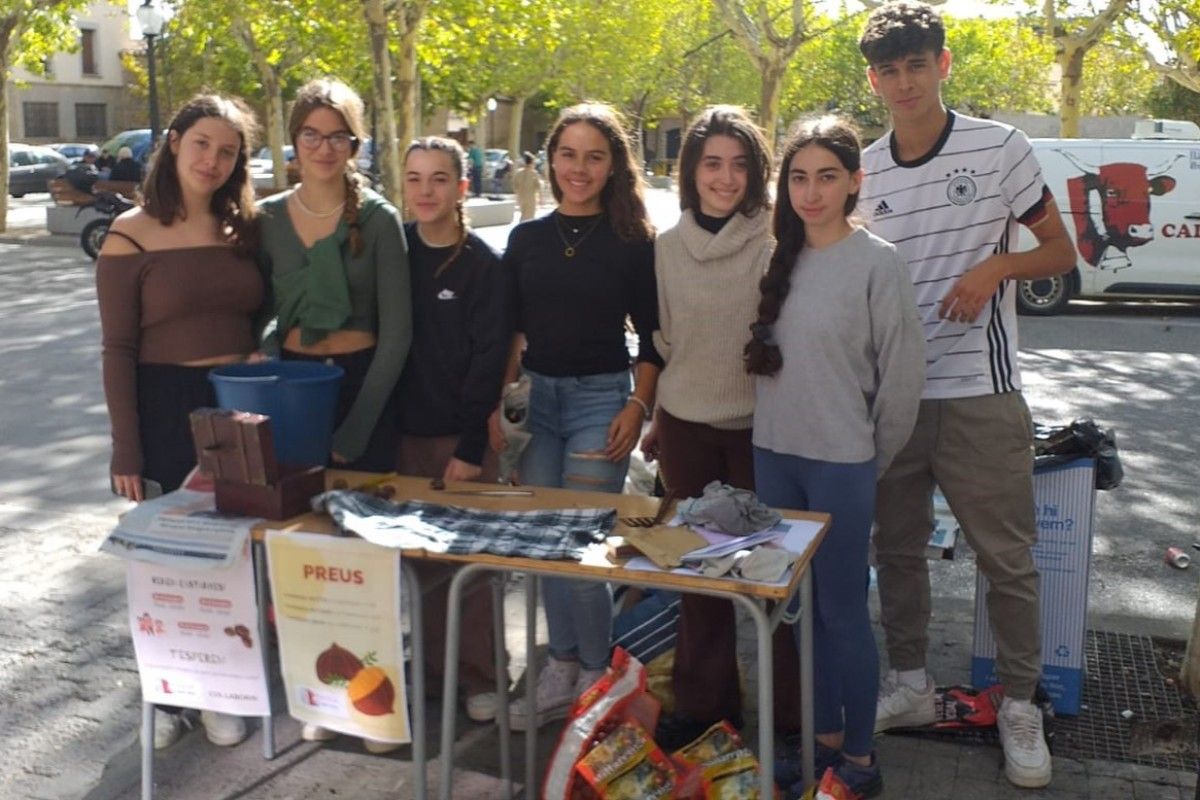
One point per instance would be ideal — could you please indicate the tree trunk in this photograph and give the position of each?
(387, 145)
(516, 116)
(1071, 62)
(481, 129)
(275, 132)
(407, 108)
(768, 108)
(8, 26)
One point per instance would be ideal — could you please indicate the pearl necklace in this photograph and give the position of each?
(319, 215)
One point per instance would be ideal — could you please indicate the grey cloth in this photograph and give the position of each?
(853, 357)
(727, 509)
(514, 414)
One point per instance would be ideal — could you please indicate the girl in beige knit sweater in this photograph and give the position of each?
(708, 269)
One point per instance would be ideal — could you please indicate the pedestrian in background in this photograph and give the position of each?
(527, 185)
(462, 327)
(708, 268)
(126, 168)
(475, 158)
(179, 292)
(839, 355)
(951, 192)
(577, 274)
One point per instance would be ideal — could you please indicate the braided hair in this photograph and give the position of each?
(761, 354)
(336, 96)
(458, 158)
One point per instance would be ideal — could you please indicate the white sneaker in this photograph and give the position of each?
(586, 678)
(554, 696)
(224, 730)
(315, 733)
(1026, 756)
(378, 748)
(901, 706)
(482, 707)
(168, 728)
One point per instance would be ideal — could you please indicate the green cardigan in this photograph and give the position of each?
(324, 288)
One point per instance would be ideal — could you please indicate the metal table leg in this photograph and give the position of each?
(258, 557)
(531, 600)
(497, 582)
(416, 703)
(147, 751)
(807, 747)
(450, 673)
(766, 693)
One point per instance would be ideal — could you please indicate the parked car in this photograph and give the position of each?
(496, 168)
(74, 151)
(136, 139)
(31, 167)
(1132, 209)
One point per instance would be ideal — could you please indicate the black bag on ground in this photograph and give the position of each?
(1083, 438)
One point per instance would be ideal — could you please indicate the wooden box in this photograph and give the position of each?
(236, 449)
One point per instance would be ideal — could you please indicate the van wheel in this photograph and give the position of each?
(1044, 296)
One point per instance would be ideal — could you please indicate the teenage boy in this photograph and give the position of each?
(949, 191)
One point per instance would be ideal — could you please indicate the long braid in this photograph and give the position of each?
(350, 213)
(462, 239)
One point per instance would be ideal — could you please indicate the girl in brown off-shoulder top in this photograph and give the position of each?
(178, 290)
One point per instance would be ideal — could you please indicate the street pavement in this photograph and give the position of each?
(69, 684)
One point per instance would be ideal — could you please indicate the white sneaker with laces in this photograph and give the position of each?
(223, 730)
(554, 696)
(902, 706)
(315, 733)
(1026, 756)
(168, 728)
(482, 707)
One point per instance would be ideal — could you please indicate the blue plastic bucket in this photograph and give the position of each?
(300, 397)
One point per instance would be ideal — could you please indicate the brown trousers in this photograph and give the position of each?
(706, 674)
(426, 456)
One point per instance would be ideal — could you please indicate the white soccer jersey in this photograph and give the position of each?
(946, 212)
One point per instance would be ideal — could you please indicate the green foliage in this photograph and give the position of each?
(1169, 100)
(41, 28)
(1117, 81)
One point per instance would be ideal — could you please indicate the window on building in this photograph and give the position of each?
(91, 121)
(41, 120)
(87, 50)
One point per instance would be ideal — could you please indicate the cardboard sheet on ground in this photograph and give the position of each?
(337, 610)
(195, 633)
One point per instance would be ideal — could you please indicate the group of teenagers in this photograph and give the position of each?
(843, 347)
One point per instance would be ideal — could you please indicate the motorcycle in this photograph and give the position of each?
(111, 205)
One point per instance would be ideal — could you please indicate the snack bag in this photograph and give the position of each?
(628, 765)
(618, 696)
(830, 787)
(733, 776)
(718, 741)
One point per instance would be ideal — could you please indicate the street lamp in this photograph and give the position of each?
(151, 21)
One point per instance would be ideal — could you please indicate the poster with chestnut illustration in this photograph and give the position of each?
(195, 633)
(337, 611)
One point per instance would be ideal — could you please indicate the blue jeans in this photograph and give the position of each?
(845, 660)
(568, 420)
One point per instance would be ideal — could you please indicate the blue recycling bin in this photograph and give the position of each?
(300, 397)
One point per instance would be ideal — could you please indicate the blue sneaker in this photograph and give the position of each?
(863, 781)
(789, 767)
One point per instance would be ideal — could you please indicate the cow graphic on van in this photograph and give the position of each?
(1110, 207)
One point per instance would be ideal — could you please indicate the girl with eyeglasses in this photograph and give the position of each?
(338, 266)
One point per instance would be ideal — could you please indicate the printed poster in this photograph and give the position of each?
(195, 633)
(337, 609)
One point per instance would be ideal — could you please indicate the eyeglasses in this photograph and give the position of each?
(341, 141)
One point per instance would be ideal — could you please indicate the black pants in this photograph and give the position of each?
(380, 455)
(166, 395)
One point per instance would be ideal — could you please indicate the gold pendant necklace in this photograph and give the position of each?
(569, 247)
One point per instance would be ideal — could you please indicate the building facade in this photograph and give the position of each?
(83, 95)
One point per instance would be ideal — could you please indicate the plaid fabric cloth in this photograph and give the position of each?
(413, 524)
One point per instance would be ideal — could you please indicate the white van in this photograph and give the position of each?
(1132, 208)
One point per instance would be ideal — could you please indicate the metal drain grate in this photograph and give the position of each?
(1120, 674)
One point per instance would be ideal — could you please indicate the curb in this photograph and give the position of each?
(40, 237)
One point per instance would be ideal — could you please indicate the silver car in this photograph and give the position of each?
(31, 167)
